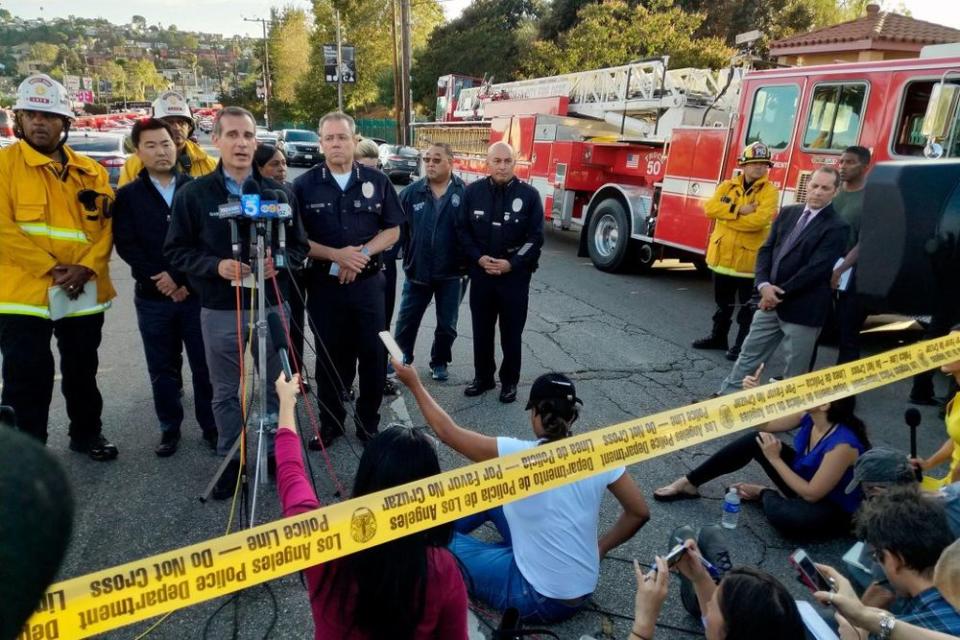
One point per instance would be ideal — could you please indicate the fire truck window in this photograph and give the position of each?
(908, 139)
(835, 116)
(774, 112)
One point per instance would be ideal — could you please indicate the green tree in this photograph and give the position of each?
(142, 79)
(289, 44)
(613, 33)
(488, 38)
(44, 53)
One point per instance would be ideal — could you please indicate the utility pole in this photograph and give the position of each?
(339, 64)
(396, 71)
(405, 71)
(266, 67)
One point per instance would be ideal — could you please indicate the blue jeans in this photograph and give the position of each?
(167, 328)
(491, 573)
(416, 298)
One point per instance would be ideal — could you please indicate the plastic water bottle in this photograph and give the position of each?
(731, 509)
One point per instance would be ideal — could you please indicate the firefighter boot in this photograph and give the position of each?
(717, 338)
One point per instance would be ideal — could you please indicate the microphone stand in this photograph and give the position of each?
(260, 464)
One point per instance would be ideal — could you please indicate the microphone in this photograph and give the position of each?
(912, 417)
(250, 198)
(36, 509)
(279, 338)
(285, 215)
(230, 211)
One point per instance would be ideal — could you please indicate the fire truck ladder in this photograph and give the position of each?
(643, 98)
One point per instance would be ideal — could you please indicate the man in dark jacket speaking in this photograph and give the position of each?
(501, 232)
(432, 258)
(793, 273)
(199, 244)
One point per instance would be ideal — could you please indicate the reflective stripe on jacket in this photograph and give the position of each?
(43, 224)
(736, 237)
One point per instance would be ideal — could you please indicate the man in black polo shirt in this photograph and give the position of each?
(352, 214)
(168, 312)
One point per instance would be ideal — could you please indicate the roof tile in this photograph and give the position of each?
(876, 25)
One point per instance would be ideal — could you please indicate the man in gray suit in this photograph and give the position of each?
(793, 274)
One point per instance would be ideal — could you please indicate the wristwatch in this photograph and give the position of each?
(887, 623)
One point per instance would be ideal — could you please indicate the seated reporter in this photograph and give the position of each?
(949, 452)
(548, 563)
(747, 604)
(908, 533)
(811, 477)
(406, 589)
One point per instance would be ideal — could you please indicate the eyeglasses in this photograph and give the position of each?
(432, 160)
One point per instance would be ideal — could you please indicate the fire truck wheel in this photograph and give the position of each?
(608, 236)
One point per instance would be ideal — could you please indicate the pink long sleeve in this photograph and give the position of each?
(296, 492)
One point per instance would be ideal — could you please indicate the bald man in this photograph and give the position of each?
(501, 232)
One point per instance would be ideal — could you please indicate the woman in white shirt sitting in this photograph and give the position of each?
(548, 562)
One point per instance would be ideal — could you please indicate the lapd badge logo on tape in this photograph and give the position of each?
(727, 419)
(363, 525)
(517, 205)
(367, 189)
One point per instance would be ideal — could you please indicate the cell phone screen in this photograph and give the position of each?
(805, 564)
(674, 556)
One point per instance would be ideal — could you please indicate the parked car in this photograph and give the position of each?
(300, 146)
(265, 136)
(399, 162)
(6, 123)
(105, 148)
(205, 124)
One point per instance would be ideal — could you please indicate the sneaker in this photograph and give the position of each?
(227, 484)
(439, 372)
(733, 353)
(688, 595)
(711, 342)
(713, 546)
(390, 388)
(168, 443)
(97, 447)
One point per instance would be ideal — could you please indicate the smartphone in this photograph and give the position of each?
(809, 574)
(391, 346)
(675, 554)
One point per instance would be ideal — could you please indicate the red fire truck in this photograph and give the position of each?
(628, 155)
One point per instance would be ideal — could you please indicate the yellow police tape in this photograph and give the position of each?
(127, 593)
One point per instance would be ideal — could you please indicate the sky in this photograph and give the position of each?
(226, 16)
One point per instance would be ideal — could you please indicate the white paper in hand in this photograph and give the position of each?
(391, 346)
(61, 305)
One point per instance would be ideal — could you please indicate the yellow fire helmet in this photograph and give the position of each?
(755, 153)
(42, 93)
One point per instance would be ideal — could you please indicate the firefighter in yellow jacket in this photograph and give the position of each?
(743, 208)
(172, 108)
(55, 244)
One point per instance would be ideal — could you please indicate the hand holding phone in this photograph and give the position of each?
(809, 574)
(391, 346)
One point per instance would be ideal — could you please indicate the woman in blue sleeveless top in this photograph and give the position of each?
(811, 477)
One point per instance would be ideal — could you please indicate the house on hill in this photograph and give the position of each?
(876, 35)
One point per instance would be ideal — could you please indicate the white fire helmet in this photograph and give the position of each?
(42, 93)
(171, 104)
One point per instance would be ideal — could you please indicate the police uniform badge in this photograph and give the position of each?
(367, 189)
(455, 199)
(517, 205)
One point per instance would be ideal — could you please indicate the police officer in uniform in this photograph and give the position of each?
(352, 215)
(56, 238)
(501, 232)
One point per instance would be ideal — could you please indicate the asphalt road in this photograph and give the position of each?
(623, 339)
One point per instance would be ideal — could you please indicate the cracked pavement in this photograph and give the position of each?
(624, 339)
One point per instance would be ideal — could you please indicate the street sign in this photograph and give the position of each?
(72, 83)
(85, 96)
(87, 82)
(348, 66)
(748, 37)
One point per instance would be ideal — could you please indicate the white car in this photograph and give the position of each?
(265, 136)
(105, 148)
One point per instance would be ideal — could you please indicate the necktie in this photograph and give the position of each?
(790, 241)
